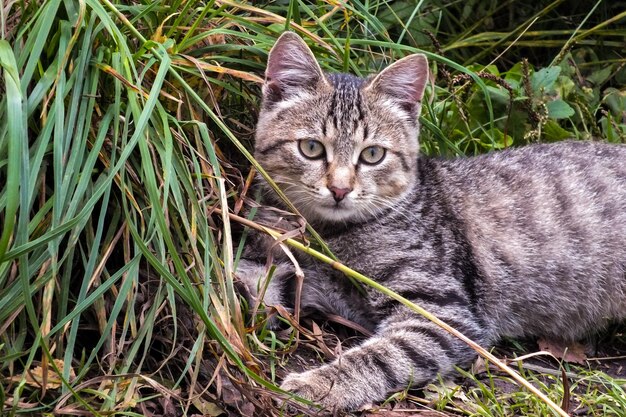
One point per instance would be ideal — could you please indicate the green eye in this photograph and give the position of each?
(372, 155)
(312, 149)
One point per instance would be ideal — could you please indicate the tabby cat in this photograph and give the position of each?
(521, 242)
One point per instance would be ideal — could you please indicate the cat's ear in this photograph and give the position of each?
(404, 81)
(291, 69)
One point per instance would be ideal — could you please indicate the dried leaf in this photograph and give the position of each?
(230, 394)
(34, 377)
(207, 408)
(569, 352)
(479, 366)
(247, 410)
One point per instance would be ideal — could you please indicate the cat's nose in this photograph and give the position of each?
(339, 193)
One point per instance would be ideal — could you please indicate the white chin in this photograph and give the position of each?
(334, 214)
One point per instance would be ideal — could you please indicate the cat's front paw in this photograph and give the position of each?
(322, 387)
(307, 385)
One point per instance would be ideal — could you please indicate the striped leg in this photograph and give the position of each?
(408, 350)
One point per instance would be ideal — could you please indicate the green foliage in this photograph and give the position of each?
(126, 126)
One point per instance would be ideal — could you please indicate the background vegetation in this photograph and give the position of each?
(124, 127)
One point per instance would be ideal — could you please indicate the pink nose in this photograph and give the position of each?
(339, 193)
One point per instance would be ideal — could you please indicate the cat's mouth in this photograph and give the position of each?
(338, 205)
(336, 210)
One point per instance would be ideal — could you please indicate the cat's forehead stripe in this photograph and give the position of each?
(346, 106)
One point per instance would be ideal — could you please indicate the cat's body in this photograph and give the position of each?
(512, 245)
(530, 241)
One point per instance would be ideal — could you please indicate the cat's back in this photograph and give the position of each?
(547, 228)
(567, 161)
(564, 184)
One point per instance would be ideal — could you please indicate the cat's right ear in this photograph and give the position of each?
(291, 69)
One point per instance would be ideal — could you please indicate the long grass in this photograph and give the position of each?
(125, 138)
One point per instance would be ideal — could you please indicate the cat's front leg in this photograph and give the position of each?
(408, 351)
(321, 291)
(252, 283)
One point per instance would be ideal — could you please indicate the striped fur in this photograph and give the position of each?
(523, 242)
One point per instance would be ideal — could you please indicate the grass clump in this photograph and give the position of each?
(125, 131)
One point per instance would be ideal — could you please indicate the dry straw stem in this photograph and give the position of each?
(217, 68)
(368, 281)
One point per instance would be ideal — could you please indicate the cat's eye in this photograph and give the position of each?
(312, 149)
(372, 155)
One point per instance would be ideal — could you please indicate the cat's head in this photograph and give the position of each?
(342, 148)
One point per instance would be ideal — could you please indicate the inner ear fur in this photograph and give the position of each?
(291, 69)
(404, 80)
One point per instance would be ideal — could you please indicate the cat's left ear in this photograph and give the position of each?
(403, 81)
